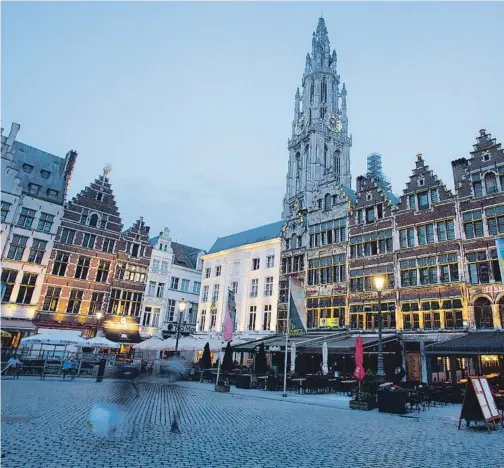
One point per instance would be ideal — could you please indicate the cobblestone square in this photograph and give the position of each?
(45, 424)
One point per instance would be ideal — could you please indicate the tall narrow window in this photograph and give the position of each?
(60, 263)
(103, 271)
(252, 318)
(93, 220)
(312, 91)
(82, 269)
(323, 91)
(327, 202)
(37, 251)
(337, 162)
(8, 281)
(75, 301)
(326, 159)
(490, 183)
(5, 209)
(17, 247)
(51, 299)
(26, 288)
(45, 222)
(96, 303)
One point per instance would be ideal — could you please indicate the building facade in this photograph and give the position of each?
(34, 186)
(174, 275)
(248, 264)
(318, 190)
(96, 273)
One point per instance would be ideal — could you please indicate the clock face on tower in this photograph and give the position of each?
(332, 122)
(300, 125)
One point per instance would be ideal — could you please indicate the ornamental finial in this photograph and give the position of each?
(107, 170)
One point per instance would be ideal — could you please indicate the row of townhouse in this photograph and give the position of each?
(70, 265)
(436, 249)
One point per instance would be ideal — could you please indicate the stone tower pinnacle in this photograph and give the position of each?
(319, 148)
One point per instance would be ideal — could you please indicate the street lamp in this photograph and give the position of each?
(99, 317)
(181, 306)
(379, 282)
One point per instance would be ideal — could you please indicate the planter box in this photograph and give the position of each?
(366, 405)
(222, 388)
(243, 381)
(392, 402)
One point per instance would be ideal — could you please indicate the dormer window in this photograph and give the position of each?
(370, 215)
(99, 196)
(369, 196)
(486, 156)
(27, 168)
(379, 211)
(490, 183)
(434, 194)
(45, 174)
(33, 189)
(421, 182)
(412, 202)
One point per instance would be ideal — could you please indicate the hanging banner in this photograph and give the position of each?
(297, 306)
(499, 242)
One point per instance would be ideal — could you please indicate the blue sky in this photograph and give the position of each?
(192, 103)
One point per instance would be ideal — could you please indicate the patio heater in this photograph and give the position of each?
(379, 283)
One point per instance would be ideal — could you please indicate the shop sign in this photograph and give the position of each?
(492, 289)
(311, 292)
(332, 322)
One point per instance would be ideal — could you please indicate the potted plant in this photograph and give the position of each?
(364, 397)
(391, 399)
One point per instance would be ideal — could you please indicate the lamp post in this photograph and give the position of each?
(99, 317)
(379, 282)
(181, 306)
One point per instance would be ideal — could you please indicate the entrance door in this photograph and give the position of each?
(413, 364)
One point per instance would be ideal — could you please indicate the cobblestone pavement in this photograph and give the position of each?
(44, 424)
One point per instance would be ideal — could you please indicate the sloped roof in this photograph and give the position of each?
(185, 256)
(252, 236)
(40, 160)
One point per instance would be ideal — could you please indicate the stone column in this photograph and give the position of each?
(469, 315)
(496, 317)
(423, 362)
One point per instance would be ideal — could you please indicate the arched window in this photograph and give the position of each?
(337, 162)
(323, 91)
(294, 241)
(483, 313)
(299, 242)
(298, 165)
(93, 220)
(490, 183)
(312, 91)
(326, 162)
(327, 202)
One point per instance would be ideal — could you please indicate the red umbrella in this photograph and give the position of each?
(359, 371)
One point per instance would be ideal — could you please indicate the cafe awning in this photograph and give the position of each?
(17, 324)
(474, 343)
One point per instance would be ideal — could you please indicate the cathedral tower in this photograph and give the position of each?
(319, 148)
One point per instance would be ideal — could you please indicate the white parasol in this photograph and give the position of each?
(101, 342)
(293, 357)
(63, 338)
(154, 343)
(325, 369)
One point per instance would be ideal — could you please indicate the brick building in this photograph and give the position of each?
(95, 267)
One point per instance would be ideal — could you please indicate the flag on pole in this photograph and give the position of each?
(297, 305)
(229, 317)
(499, 242)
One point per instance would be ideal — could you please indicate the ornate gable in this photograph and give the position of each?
(95, 201)
(423, 179)
(483, 173)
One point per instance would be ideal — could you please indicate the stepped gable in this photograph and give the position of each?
(96, 199)
(483, 165)
(138, 234)
(422, 179)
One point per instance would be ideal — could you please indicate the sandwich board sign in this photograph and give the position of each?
(479, 404)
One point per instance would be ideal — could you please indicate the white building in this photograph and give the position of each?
(34, 185)
(174, 274)
(248, 264)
